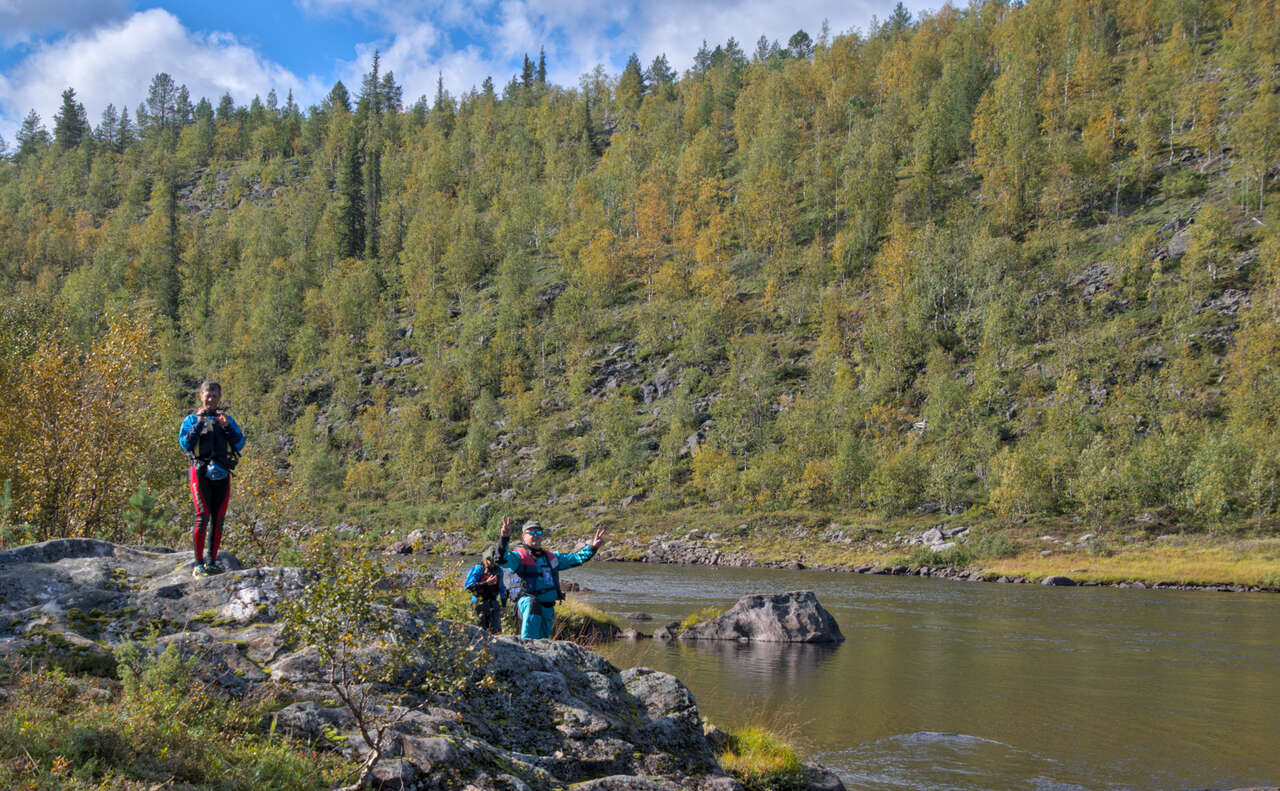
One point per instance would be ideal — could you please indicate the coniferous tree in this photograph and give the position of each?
(351, 200)
(542, 66)
(526, 73)
(108, 131)
(226, 108)
(125, 132)
(71, 123)
(631, 87)
(183, 111)
(338, 97)
(800, 45)
(32, 136)
(161, 105)
(661, 77)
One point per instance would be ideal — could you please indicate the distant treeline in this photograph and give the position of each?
(1018, 257)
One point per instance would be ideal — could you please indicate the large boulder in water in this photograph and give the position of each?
(791, 617)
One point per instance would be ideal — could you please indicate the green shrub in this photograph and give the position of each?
(67, 732)
(762, 761)
(1183, 183)
(705, 614)
(580, 622)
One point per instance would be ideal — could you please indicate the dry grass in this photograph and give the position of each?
(1184, 561)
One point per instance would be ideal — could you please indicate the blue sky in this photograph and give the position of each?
(108, 50)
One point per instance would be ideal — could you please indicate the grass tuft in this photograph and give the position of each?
(762, 760)
(580, 622)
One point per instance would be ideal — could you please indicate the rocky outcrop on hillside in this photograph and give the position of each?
(549, 714)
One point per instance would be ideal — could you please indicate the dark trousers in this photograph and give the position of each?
(488, 614)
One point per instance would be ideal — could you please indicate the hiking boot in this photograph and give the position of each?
(200, 570)
(212, 567)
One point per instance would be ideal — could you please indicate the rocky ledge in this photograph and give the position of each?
(548, 715)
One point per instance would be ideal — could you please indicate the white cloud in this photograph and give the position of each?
(115, 63)
(577, 34)
(463, 40)
(21, 19)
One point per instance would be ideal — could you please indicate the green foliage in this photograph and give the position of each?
(452, 601)
(145, 515)
(80, 423)
(67, 732)
(418, 306)
(705, 614)
(370, 649)
(578, 621)
(762, 761)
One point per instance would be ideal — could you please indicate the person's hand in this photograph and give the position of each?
(222, 419)
(506, 527)
(597, 539)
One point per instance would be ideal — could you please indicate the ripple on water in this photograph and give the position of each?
(929, 761)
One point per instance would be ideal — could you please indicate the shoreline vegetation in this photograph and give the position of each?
(1142, 555)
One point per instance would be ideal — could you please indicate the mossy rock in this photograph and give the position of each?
(70, 652)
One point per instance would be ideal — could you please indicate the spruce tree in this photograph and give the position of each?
(631, 87)
(108, 131)
(339, 97)
(70, 124)
(32, 136)
(526, 73)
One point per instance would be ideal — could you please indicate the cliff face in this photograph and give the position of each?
(548, 714)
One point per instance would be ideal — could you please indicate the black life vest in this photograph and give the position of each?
(213, 445)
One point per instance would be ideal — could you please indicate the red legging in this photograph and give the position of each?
(210, 499)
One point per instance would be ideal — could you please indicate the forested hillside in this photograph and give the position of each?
(1021, 258)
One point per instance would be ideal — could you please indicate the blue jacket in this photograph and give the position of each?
(473, 576)
(543, 586)
(186, 434)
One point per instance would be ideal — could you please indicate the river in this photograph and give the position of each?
(956, 685)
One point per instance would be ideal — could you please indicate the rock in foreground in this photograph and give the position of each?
(792, 617)
(549, 714)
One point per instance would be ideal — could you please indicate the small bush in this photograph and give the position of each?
(762, 761)
(1183, 183)
(705, 614)
(580, 622)
(67, 732)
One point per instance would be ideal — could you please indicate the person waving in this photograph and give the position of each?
(538, 570)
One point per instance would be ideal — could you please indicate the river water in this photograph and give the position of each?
(956, 685)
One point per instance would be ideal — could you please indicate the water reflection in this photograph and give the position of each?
(754, 663)
(771, 661)
(968, 686)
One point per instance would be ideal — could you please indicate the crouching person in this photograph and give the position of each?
(539, 570)
(488, 594)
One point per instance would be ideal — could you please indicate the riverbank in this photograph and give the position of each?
(1144, 554)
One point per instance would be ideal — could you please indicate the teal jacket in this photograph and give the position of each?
(539, 579)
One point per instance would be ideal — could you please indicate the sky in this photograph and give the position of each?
(108, 50)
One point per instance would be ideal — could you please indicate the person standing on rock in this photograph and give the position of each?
(213, 442)
(539, 572)
(488, 594)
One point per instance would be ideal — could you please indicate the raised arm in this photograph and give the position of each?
(570, 559)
